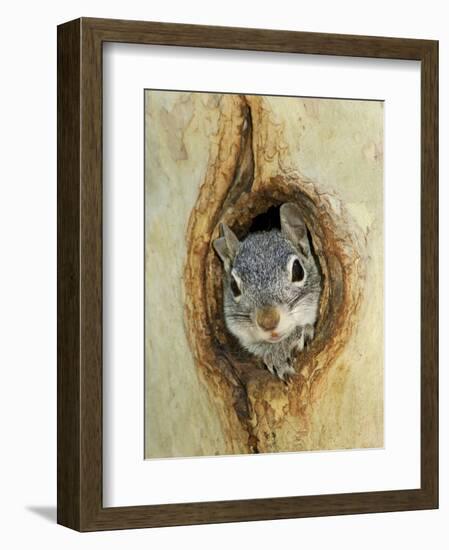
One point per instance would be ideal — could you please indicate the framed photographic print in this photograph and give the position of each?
(247, 274)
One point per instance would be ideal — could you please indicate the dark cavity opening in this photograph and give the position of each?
(267, 220)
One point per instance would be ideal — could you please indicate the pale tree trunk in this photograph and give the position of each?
(213, 158)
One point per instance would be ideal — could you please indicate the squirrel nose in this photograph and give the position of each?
(268, 318)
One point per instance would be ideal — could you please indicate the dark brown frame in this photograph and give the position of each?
(80, 274)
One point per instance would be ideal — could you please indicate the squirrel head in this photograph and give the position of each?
(271, 282)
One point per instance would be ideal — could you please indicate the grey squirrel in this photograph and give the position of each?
(271, 290)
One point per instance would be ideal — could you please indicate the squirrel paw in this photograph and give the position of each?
(270, 367)
(308, 334)
(299, 344)
(279, 362)
(285, 372)
(306, 337)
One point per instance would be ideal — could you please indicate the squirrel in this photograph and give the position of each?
(271, 290)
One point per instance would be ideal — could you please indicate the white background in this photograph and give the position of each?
(128, 69)
(28, 274)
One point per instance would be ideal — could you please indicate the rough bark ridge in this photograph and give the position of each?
(251, 169)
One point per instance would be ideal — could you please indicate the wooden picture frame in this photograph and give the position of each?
(80, 503)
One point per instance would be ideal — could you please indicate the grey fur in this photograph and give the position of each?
(261, 268)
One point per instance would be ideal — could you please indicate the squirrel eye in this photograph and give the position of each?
(235, 287)
(297, 271)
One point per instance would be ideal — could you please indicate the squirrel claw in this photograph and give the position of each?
(309, 333)
(286, 373)
(269, 368)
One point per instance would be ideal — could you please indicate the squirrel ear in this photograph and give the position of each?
(226, 246)
(293, 227)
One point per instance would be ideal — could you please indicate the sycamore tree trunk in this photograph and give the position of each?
(214, 158)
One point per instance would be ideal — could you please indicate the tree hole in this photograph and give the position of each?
(336, 254)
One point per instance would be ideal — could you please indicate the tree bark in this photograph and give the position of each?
(261, 152)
